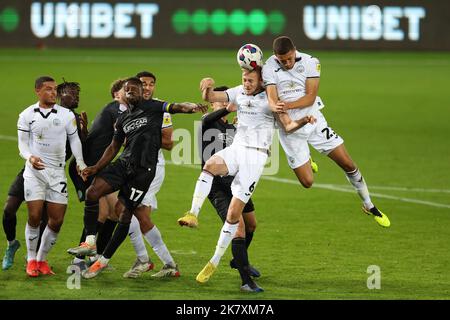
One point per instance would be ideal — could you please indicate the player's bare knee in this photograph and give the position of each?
(34, 220)
(250, 228)
(92, 194)
(55, 224)
(210, 166)
(125, 217)
(306, 182)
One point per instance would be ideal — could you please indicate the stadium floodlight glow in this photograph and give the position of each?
(237, 22)
(257, 22)
(276, 22)
(9, 19)
(219, 21)
(200, 21)
(181, 21)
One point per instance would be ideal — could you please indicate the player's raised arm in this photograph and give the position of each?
(272, 96)
(290, 125)
(208, 93)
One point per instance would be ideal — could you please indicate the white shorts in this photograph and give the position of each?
(47, 184)
(319, 135)
(246, 165)
(150, 197)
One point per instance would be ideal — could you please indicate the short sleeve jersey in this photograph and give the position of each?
(141, 126)
(48, 130)
(291, 84)
(255, 120)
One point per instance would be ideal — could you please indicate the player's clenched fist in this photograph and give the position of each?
(36, 162)
(206, 83)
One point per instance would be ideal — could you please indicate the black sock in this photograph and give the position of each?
(90, 217)
(9, 225)
(105, 234)
(118, 237)
(99, 226)
(248, 238)
(240, 256)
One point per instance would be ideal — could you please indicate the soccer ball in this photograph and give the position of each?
(250, 56)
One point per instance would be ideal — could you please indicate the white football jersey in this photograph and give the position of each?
(255, 119)
(48, 130)
(291, 83)
(167, 123)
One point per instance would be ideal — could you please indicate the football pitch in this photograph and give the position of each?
(391, 108)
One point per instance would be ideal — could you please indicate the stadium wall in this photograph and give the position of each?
(328, 24)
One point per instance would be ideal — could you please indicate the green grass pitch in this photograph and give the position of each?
(392, 110)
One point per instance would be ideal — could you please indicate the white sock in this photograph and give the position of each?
(226, 235)
(47, 242)
(155, 240)
(202, 189)
(137, 241)
(103, 260)
(77, 260)
(90, 240)
(357, 180)
(94, 258)
(32, 238)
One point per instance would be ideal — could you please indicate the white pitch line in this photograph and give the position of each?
(8, 138)
(342, 189)
(347, 190)
(405, 189)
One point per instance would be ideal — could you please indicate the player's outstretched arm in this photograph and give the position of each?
(290, 125)
(106, 158)
(187, 107)
(208, 93)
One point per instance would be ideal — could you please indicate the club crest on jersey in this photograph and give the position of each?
(56, 122)
(134, 124)
(300, 68)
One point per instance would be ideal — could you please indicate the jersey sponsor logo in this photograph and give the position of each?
(135, 124)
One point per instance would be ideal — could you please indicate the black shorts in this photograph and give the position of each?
(16, 188)
(133, 183)
(220, 197)
(80, 185)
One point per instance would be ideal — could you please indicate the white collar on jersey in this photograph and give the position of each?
(297, 59)
(123, 107)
